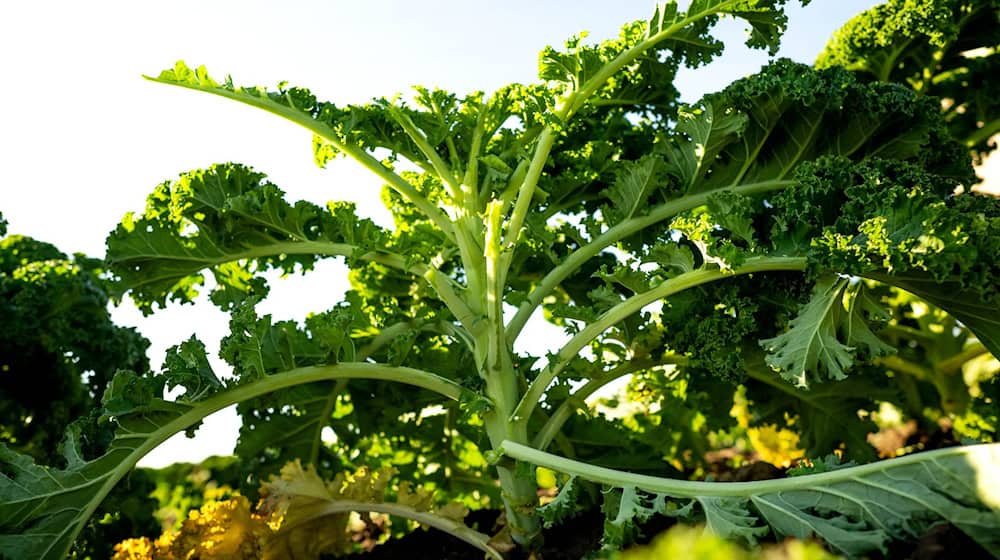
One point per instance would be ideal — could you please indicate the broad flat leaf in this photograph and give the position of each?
(731, 518)
(856, 510)
(734, 213)
(827, 335)
(795, 114)
(853, 509)
(705, 133)
(856, 329)
(982, 317)
(672, 259)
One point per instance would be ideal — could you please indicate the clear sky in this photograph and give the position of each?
(84, 139)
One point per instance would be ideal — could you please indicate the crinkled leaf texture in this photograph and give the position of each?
(943, 48)
(824, 337)
(230, 220)
(627, 508)
(313, 513)
(42, 508)
(857, 510)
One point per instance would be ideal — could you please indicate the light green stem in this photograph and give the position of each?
(268, 384)
(984, 133)
(617, 233)
(953, 365)
(299, 117)
(694, 489)
(470, 183)
(527, 189)
(510, 192)
(578, 399)
(632, 305)
(418, 137)
(896, 363)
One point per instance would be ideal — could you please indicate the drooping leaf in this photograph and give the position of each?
(856, 510)
(731, 518)
(822, 340)
(574, 497)
(43, 508)
(626, 509)
(306, 506)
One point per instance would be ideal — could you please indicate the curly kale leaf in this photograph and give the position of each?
(826, 334)
(753, 138)
(43, 508)
(765, 17)
(797, 114)
(856, 510)
(438, 132)
(709, 324)
(895, 225)
(59, 350)
(627, 508)
(632, 187)
(940, 48)
(645, 72)
(288, 424)
(56, 333)
(230, 220)
(575, 496)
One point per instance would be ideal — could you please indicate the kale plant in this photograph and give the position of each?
(756, 238)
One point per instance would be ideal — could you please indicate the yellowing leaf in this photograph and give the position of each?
(310, 515)
(298, 505)
(134, 549)
(775, 445)
(223, 530)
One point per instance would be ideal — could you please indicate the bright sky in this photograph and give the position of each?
(83, 138)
